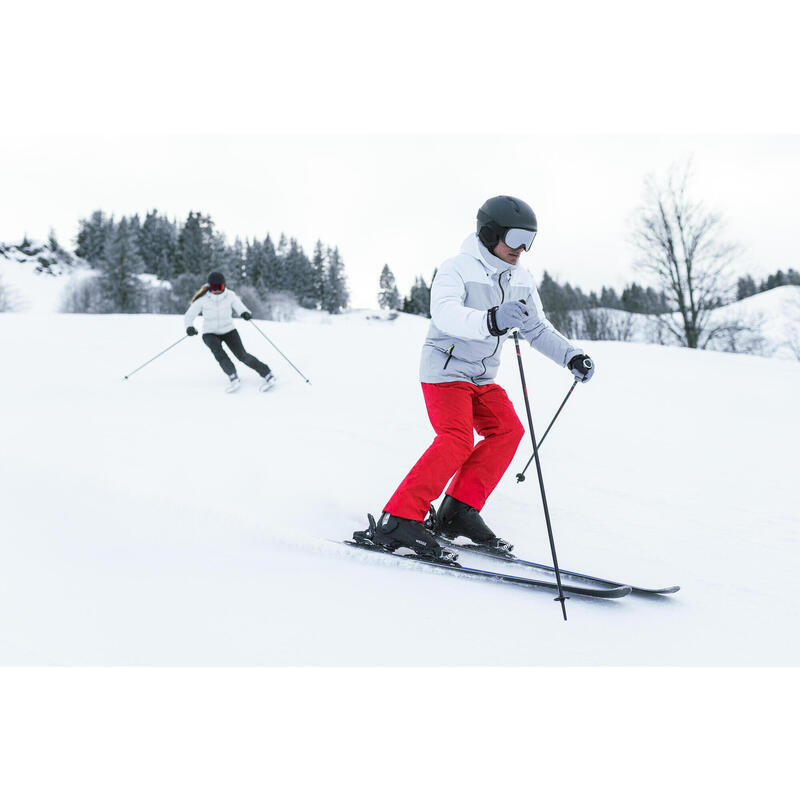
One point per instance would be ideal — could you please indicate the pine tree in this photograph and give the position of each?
(298, 275)
(320, 274)
(573, 298)
(337, 297)
(197, 249)
(634, 299)
(272, 267)
(236, 261)
(551, 294)
(556, 303)
(655, 302)
(256, 266)
(57, 249)
(388, 297)
(419, 298)
(609, 298)
(135, 226)
(120, 266)
(283, 246)
(157, 245)
(92, 235)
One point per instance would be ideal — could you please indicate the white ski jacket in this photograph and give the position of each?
(217, 311)
(459, 346)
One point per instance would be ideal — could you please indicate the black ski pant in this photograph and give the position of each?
(234, 342)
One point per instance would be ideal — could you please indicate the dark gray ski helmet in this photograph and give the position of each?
(498, 214)
(215, 277)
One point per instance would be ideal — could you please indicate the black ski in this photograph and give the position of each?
(363, 542)
(505, 555)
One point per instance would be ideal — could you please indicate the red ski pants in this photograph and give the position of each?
(454, 410)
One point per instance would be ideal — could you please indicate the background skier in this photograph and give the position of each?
(218, 304)
(476, 299)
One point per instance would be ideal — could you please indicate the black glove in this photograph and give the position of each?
(191, 330)
(246, 315)
(582, 367)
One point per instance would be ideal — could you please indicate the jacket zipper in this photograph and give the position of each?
(497, 338)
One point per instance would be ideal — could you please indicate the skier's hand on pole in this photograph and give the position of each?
(502, 318)
(582, 367)
(246, 315)
(191, 331)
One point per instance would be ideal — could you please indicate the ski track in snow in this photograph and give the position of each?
(161, 521)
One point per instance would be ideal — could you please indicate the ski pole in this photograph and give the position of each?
(521, 475)
(278, 349)
(561, 597)
(155, 357)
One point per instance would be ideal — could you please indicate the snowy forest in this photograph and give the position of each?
(179, 257)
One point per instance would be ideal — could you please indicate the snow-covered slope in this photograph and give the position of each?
(774, 316)
(161, 521)
(34, 274)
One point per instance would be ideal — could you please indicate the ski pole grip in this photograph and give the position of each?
(587, 362)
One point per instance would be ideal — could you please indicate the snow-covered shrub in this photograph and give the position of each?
(603, 324)
(249, 296)
(280, 306)
(84, 295)
(5, 299)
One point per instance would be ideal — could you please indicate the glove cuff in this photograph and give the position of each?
(491, 320)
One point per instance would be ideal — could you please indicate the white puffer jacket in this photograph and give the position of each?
(459, 346)
(217, 311)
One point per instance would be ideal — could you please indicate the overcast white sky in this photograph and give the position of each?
(407, 200)
(382, 130)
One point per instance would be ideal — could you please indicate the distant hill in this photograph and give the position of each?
(774, 316)
(769, 325)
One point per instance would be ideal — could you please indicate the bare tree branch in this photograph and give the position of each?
(679, 243)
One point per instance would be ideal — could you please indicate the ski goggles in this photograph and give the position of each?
(216, 288)
(519, 237)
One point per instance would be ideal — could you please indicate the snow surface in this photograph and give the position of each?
(161, 521)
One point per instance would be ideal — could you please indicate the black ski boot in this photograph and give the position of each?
(455, 518)
(391, 533)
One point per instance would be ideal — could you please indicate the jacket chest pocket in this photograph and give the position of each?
(516, 292)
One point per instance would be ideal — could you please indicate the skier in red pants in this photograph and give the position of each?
(476, 299)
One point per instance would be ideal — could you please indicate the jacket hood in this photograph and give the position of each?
(473, 246)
